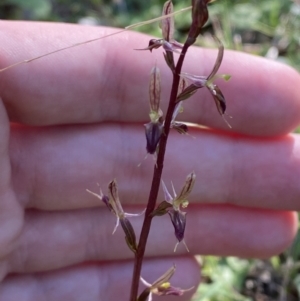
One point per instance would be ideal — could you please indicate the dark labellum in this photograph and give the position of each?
(219, 99)
(154, 44)
(153, 131)
(178, 220)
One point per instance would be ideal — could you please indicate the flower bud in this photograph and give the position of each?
(199, 18)
(167, 24)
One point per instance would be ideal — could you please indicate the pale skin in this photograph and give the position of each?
(55, 238)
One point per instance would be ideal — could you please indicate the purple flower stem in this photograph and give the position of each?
(156, 180)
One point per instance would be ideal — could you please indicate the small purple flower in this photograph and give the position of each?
(161, 287)
(177, 216)
(199, 82)
(167, 27)
(114, 205)
(172, 46)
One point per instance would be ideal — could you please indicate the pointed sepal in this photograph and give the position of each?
(169, 58)
(181, 198)
(167, 24)
(162, 209)
(154, 95)
(161, 287)
(130, 237)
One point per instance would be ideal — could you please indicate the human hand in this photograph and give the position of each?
(76, 120)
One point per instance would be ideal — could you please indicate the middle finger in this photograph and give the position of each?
(56, 165)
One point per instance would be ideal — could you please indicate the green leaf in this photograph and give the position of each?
(38, 8)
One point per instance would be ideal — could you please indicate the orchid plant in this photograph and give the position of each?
(157, 131)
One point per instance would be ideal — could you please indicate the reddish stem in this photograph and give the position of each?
(158, 168)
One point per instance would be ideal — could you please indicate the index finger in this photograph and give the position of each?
(108, 81)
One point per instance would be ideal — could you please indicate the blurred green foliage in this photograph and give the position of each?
(236, 279)
(264, 27)
(224, 279)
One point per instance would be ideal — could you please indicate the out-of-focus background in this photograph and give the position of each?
(269, 28)
(265, 27)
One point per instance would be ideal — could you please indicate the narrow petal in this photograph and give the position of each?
(95, 194)
(218, 60)
(167, 195)
(134, 214)
(186, 247)
(103, 198)
(147, 284)
(178, 109)
(176, 45)
(114, 198)
(174, 192)
(200, 79)
(171, 47)
(116, 225)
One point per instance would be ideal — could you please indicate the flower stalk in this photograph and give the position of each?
(158, 167)
(156, 179)
(157, 133)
